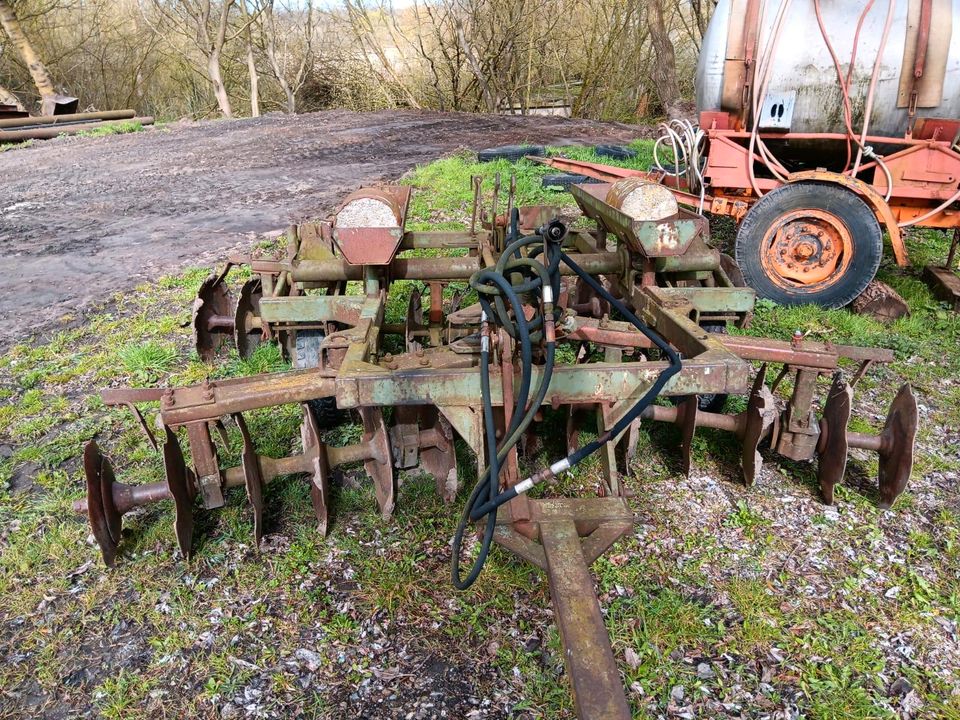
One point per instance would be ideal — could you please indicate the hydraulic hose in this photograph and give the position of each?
(486, 496)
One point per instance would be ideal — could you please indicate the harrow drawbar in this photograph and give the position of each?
(646, 317)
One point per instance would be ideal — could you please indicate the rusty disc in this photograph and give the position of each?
(246, 335)
(180, 483)
(832, 447)
(252, 478)
(687, 422)
(316, 453)
(99, 475)
(808, 249)
(212, 310)
(760, 413)
(380, 465)
(440, 461)
(899, 437)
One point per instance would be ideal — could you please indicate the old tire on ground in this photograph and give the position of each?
(617, 152)
(510, 152)
(565, 180)
(324, 410)
(809, 243)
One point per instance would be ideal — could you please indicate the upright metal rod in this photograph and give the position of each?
(951, 256)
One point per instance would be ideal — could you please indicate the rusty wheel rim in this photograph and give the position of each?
(807, 250)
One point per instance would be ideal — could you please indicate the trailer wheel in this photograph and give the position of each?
(324, 409)
(809, 243)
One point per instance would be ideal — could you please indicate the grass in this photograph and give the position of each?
(114, 128)
(758, 598)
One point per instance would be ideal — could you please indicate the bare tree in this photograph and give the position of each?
(366, 35)
(208, 26)
(38, 71)
(664, 66)
(251, 62)
(290, 65)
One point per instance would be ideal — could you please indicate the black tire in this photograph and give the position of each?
(324, 410)
(565, 180)
(783, 208)
(617, 152)
(510, 152)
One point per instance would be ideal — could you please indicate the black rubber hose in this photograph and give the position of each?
(645, 401)
(488, 481)
(648, 397)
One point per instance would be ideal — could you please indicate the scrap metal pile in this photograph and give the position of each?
(639, 294)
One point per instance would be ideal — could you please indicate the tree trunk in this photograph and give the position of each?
(216, 78)
(664, 71)
(8, 98)
(11, 26)
(271, 53)
(254, 78)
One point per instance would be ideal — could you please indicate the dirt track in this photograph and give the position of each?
(83, 217)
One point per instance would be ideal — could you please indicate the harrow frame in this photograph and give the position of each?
(664, 271)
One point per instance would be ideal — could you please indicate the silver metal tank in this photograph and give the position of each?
(803, 94)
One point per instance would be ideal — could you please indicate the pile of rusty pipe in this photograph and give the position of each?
(29, 122)
(46, 133)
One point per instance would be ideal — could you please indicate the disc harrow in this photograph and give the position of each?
(637, 299)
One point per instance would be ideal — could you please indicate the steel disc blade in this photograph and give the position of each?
(253, 478)
(833, 445)
(440, 461)
(179, 482)
(760, 414)
(246, 335)
(899, 438)
(314, 449)
(213, 299)
(380, 466)
(94, 465)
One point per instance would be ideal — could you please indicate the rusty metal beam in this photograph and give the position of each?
(597, 691)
